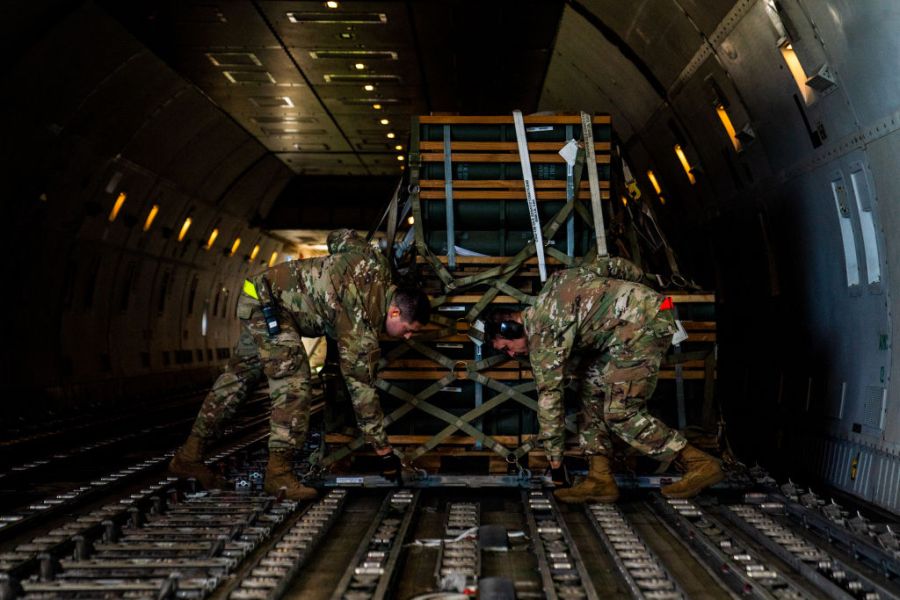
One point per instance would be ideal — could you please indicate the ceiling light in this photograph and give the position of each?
(369, 87)
(282, 119)
(343, 18)
(653, 181)
(249, 77)
(355, 55)
(398, 147)
(385, 122)
(272, 101)
(359, 66)
(679, 152)
(254, 252)
(400, 157)
(233, 59)
(391, 135)
(376, 106)
(331, 4)
(411, 220)
(235, 246)
(120, 200)
(184, 229)
(212, 238)
(272, 259)
(150, 216)
(361, 77)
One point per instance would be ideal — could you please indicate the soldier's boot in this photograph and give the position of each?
(280, 475)
(600, 485)
(701, 471)
(188, 462)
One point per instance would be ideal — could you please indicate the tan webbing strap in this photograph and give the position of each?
(587, 132)
(530, 198)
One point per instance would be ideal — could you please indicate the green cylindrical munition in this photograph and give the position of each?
(475, 214)
(507, 133)
(492, 243)
(490, 171)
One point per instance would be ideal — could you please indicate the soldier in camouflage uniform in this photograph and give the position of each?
(347, 296)
(620, 331)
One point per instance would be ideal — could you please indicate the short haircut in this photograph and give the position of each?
(414, 305)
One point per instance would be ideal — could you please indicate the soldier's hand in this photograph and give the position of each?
(392, 468)
(560, 475)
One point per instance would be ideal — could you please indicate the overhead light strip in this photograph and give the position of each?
(346, 18)
(360, 78)
(233, 59)
(249, 77)
(355, 54)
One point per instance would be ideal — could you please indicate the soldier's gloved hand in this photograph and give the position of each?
(392, 468)
(560, 475)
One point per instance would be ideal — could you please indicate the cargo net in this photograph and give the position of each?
(471, 246)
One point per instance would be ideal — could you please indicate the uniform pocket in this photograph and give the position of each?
(372, 359)
(245, 307)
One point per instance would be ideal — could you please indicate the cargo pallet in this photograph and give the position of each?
(448, 405)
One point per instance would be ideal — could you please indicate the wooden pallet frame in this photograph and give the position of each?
(497, 373)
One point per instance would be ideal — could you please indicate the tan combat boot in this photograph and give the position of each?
(280, 475)
(701, 471)
(188, 462)
(600, 485)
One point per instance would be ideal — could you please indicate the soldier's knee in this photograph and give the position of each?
(618, 417)
(284, 364)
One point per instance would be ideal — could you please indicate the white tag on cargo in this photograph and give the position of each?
(569, 152)
(680, 334)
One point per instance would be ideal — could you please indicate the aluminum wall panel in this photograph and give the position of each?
(877, 477)
(882, 158)
(659, 32)
(751, 57)
(588, 73)
(861, 43)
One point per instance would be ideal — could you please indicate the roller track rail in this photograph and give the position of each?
(871, 547)
(371, 572)
(460, 555)
(839, 580)
(645, 575)
(75, 537)
(132, 559)
(562, 571)
(21, 518)
(739, 568)
(272, 573)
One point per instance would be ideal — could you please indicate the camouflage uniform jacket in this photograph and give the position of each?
(586, 309)
(345, 296)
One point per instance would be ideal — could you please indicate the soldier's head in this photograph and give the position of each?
(504, 331)
(409, 311)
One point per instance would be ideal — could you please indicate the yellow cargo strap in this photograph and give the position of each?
(250, 289)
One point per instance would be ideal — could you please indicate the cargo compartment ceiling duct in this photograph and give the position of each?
(272, 66)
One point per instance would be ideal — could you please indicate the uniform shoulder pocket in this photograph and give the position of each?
(245, 307)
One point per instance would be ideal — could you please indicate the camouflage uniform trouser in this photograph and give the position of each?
(284, 361)
(614, 393)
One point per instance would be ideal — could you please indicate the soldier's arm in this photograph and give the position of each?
(359, 354)
(549, 350)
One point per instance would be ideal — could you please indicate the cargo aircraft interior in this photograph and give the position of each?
(447, 299)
